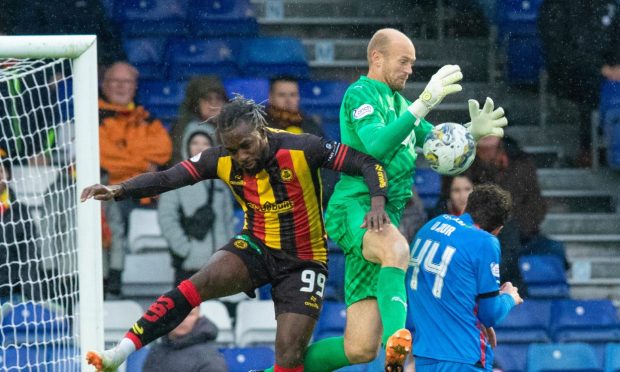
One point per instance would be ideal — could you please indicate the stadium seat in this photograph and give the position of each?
(22, 358)
(152, 17)
(256, 323)
(146, 55)
(118, 317)
(135, 361)
(62, 358)
(256, 89)
(428, 184)
(214, 18)
(332, 321)
(526, 323)
(544, 276)
(147, 274)
(593, 321)
(562, 358)
(189, 58)
(331, 130)
(217, 312)
(611, 127)
(29, 321)
(511, 357)
(144, 233)
(264, 292)
(322, 98)
(524, 59)
(612, 358)
(269, 57)
(161, 98)
(334, 288)
(610, 96)
(28, 192)
(517, 17)
(243, 359)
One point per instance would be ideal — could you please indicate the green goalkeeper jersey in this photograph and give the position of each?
(374, 120)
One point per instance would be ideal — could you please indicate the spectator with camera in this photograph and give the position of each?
(197, 219)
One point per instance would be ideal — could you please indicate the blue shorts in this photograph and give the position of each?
(433, 365)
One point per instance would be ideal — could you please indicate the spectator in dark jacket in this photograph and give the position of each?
(581, 43)
(19, 254)
(453, 196)
(188, 348)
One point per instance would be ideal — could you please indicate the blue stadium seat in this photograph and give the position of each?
(30, 321)
(136, 360)
(243, 359)
(524, 59)
(239, 215)
(526, 323)
(22, 358)
(332, 320)
(202, 57)
(511, 357)
(264, 292)
(62, 358)
(544, 276)
(562, 358)
(162, 98)
(269, 57)
(612, 358)
(256, 89)
(222, 18)
(153, 17)
(322, 98)
(428, 184)
(517, 17)
(593, 321)
(334, 289)
(610, 96)
(612, 137)
(146, 55)
(331, 130)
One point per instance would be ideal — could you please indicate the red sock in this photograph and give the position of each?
(277, 368)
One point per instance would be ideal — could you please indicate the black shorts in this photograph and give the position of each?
(297, 286)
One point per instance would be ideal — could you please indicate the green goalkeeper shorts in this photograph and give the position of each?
(342, 223)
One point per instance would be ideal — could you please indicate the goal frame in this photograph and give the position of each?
(82, 49)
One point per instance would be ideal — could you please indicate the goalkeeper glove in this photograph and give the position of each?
(441, 84)
(485, 122)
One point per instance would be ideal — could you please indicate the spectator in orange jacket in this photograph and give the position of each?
(131, 141)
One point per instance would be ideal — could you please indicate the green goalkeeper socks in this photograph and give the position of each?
(324, 356)
(392, 300)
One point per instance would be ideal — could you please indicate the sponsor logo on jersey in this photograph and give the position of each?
(495, 269)
(272, 207)
(240, 244)
(381, 176)
(196, 157)
(137, 329)
(286, 175)
(363, 110)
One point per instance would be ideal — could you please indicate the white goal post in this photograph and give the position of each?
(80, 52)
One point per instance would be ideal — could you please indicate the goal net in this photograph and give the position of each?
(50, 275)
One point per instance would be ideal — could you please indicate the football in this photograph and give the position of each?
(449, 148)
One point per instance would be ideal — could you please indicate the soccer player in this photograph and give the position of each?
(453, 284)
(274, 175)
(377, 120)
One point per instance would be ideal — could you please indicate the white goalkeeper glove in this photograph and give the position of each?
(485, 122)
(441, 84)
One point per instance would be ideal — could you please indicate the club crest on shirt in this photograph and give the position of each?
(363, 110)
(241, 244)
(495, 269)
(286, 175)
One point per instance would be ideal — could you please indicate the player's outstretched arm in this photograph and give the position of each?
(486, 122)
(100, 192)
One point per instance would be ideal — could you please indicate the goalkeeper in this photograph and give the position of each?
(375, 119)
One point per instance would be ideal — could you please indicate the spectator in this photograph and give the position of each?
(503, 162)
(131, 141)
(188, 347)
(195, 220)
(414, 216)
(67, 17)
(283, 113)
(283, 108)
(577, 61)
(204, 98)
(19, 254)
(453, 197)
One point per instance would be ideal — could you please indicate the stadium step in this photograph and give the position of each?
(581, 223)
(569, 179)
(579, 201)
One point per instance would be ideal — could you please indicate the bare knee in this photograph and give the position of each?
(361, 352)
(396, 254)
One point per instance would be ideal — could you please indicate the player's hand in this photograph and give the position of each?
(376, 217)
(490, 336)
(100, 192)
(511, 290)
(485, 122)
(441, 84)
